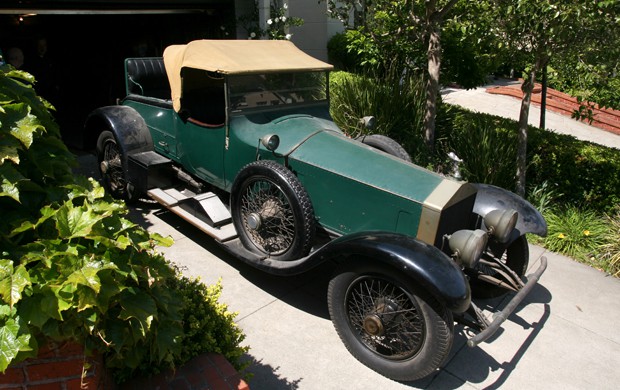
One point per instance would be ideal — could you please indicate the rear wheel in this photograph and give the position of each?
(387, 322)
(272, 212)
(110, 158)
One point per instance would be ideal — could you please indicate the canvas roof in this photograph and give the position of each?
(236, 57)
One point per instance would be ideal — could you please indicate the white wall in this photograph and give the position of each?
(317, 29)
(312, 36)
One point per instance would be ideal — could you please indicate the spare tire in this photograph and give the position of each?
(385, 144)
(272, 211)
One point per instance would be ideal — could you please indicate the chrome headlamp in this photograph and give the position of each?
(467, 246)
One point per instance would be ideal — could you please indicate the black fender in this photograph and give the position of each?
(490, 198)
(128, 127)
(425, 264)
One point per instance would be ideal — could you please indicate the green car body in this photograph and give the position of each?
(236, 137)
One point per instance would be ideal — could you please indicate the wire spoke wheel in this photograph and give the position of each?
(272, 212)
(268, 216)
(110, 158)
(114, 169)
(386, 319)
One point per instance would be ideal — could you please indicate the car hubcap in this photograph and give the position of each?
(385, 318)
(253, 221)
(268, 217)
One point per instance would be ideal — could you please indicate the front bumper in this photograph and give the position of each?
(501, 316)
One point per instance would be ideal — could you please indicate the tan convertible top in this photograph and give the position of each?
(235, 57)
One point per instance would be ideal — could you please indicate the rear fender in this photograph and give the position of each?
(426, 265)
(491, 198)
(128, 127)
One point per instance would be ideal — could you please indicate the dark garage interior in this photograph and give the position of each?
(88, 41)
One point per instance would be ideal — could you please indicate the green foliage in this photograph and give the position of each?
(575, 232)
(610, 251)
(487, 146)
(585, 173)
(210, 326)
(397, 104)
(543, 196)
(72, 267)
(342, 51)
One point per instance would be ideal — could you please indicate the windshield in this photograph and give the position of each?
(276, 89)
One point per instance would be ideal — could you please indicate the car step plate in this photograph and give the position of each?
(172, 199)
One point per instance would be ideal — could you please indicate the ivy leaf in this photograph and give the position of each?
(75, 221)
(140, 306)
(86, 276)
(11, 342)
(10, 178)
(12, 281)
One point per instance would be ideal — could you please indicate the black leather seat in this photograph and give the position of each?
(147, 77)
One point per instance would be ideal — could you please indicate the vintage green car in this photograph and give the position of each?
(235, 136)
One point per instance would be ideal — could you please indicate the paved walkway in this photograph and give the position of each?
(479, 100)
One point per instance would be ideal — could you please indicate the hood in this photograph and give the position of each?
(341, 155)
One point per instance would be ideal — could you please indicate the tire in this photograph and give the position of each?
(385, 144)
(387, 322)
(272, 211)
(516, 257)
(113, 175)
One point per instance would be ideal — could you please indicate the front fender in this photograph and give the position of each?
(424, 264)
(492, 198)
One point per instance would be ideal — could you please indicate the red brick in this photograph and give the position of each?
(223, 365)
(46, 386)
(69, 348)
(55, 369)
(12, 375)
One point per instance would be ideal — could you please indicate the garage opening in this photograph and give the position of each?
(77, 55)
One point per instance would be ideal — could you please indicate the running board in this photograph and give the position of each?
(205, 211)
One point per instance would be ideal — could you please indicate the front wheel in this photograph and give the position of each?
(387, 322)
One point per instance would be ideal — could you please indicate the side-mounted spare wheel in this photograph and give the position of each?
(387, 321)
(272, 212)
(385, 144)
(110, 158)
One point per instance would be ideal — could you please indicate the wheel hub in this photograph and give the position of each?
(373, 325)
(103, 166)
(254, 221)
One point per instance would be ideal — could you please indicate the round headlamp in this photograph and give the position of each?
(501, 223)
(467, 246)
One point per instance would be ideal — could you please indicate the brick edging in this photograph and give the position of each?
(562, 103)
(206, 371)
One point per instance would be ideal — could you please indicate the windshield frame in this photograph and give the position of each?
(238, 109)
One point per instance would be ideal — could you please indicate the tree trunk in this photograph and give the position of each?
(432, 84)
(526, 87)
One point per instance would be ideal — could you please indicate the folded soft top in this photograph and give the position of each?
(236, 57)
